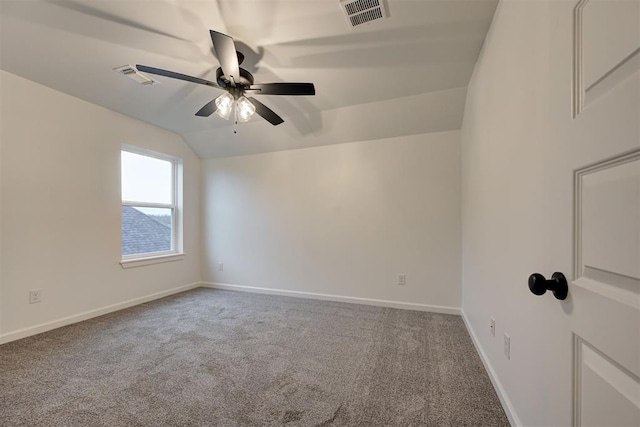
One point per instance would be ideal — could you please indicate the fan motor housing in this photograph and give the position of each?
(246, 78)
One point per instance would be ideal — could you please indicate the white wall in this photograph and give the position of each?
(61, 213)
(341, 220)
(1, 208)
(505, 220)
(505, 211)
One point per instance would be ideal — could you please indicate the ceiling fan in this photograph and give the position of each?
(236, 82)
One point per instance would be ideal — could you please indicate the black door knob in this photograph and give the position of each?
(557, 284)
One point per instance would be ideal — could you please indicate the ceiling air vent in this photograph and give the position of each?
(131, 72)
(360, 12)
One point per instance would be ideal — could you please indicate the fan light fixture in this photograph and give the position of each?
(225, 103)
(245, 109)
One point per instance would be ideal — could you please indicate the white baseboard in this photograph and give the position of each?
(339, 298)
(497, 385)
(43, 327)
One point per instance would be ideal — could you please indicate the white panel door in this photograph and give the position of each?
(595, 164)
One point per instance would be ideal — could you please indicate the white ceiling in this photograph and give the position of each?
(400, 76)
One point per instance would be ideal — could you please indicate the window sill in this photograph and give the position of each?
(140, 262)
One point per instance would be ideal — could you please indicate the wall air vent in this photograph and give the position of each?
(360, 12)
(131, 72)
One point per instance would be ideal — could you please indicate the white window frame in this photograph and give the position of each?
(176, 253)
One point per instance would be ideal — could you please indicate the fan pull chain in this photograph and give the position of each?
(235, 119)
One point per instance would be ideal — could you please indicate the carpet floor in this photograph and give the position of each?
(223, 358)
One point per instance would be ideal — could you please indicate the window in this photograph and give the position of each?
(150, 226)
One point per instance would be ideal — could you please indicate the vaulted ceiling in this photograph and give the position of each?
(399, 76)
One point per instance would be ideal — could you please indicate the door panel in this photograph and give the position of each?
(606, 43)
(607, 394)
(605, 49)
(607, 230)
(597, 159)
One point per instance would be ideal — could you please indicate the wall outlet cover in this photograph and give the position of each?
(507, 346)
(35, 296)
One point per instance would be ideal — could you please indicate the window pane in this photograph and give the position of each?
(146, 179)
(146, 230)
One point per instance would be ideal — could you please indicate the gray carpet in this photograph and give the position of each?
(213, 357)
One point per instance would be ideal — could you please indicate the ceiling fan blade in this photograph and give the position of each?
(208, 109)
(226, 52)
(283, 89)
(266, 112)
(174, 75)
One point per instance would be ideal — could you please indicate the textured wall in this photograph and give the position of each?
(61, 208)
(342, 219)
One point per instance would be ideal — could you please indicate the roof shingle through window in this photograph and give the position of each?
(142, 234)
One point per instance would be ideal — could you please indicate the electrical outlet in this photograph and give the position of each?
(220, 266)
(35, 295)
(402, 279)
(507, 346)
(493, 326)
